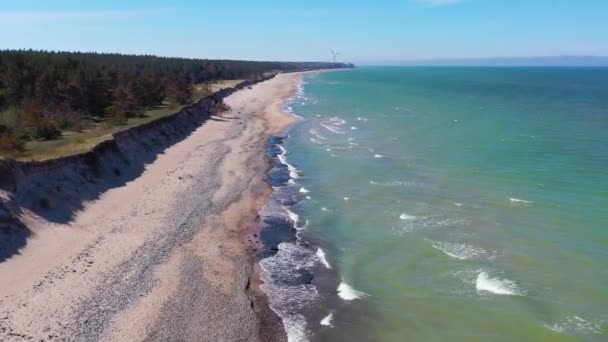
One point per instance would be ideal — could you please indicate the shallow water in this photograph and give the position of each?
(464, 204)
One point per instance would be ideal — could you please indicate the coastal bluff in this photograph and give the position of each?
(57, 189)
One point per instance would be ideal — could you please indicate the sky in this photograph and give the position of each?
(306, 30)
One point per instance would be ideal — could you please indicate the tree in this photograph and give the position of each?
(179, 92)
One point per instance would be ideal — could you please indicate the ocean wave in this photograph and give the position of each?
(337, 121)
(415, 223)
(378, 156)
(346, 199)
(407, 217)
(517, 200)
(461, 251)
(304, 190)
(332, 128)
(286, 292)
(576, 324)
(293, 172)
(347, 292)
(494, 285)
(327, 320)
(321, 255)
(316, 133)
(295, 218)
(353, 127)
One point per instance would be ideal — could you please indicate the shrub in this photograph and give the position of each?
(10, 143)
(220, 108)
(116, 118)
(12, 118)
(46, 129)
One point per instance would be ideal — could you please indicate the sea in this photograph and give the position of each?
(441, 204)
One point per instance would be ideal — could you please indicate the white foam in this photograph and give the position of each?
(337, 121)
(308, 197)
(286, 301)
(494, 285)
(332, 129)
(378, 156)
(304, 190)
(428, 222)
(295, 218)
(347, 198)
(325, 209)
(517, 200)
(322, 258)
(407, 217)
(461, 251)
(393, 183)
(458, 204)
(315, 141)
(575, 324)
(316, 133)
(327, 320)
(353, 127)
(346, 292)
(304, 226)
(293, 172)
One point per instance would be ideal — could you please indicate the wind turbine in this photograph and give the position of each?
(335, 54)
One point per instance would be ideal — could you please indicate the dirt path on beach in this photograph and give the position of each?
(162, 257)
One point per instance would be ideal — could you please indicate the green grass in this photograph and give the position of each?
(95, 132)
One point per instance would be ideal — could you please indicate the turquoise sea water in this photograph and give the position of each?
(453, 204)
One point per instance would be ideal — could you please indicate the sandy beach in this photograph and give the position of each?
(162, 257)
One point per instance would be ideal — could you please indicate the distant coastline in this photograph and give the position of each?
(540, 61)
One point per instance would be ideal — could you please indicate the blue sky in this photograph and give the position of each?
(306, 30)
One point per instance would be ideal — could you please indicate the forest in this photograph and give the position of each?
(43, 93)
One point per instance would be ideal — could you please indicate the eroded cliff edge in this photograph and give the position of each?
(56, 189)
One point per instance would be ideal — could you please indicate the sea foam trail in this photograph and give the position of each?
(321, 255)
(461, 251)
(576, 324)
(517, 200)
(332, 128)
(295, 218)
(393, 183)
(407, 217)
(346, 292)
(293, 172)
(327, 321)
(486, 283)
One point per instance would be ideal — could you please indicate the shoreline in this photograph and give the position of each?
(167, 245)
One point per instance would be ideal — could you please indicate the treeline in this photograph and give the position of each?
(43, 93)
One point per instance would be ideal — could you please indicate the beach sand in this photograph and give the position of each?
(162, 257)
